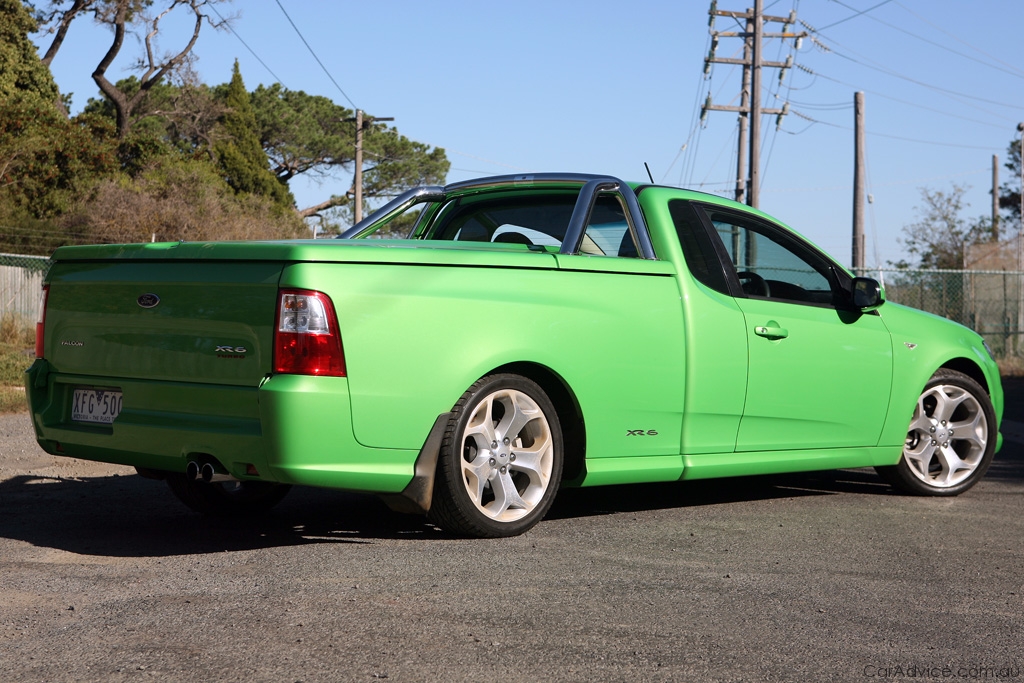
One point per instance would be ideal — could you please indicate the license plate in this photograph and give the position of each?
(96, 405)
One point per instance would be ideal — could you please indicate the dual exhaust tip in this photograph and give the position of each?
(208, 472)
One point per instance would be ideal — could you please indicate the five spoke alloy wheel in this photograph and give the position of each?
(951, 438)
(501, 459)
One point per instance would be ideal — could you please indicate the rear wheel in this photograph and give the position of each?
(951, 439)
(501, 459)
(226, 499)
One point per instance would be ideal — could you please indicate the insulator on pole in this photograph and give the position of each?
(778, 119)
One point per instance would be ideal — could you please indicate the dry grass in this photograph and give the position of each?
(12, 400)
(16, 337)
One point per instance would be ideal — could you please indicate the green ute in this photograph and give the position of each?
(508, 336)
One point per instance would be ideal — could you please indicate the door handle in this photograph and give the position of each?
(771, 331)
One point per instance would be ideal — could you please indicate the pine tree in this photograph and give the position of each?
(241, 158)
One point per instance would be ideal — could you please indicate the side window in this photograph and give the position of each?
(771, 266)
(608, 232)
(698, 249)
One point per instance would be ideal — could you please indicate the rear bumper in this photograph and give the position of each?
(291, 429)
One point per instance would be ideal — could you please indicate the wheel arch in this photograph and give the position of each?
(969, 368)
(570, 414)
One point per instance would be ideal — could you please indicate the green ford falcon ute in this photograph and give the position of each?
(469, 349)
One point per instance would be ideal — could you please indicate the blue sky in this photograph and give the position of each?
(602, 87)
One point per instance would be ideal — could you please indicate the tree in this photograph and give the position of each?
(184, 114)
(310, 134)
(239, 153)
(124, 16)
(941, 236)
(302, 133)
(1009, 192)
(21, 72)
(177, 198)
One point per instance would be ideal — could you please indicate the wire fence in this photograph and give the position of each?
(990, 302)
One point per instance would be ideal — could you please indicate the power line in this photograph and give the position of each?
(954, 37)
(854, 16)
(1013, 72)
(224, 22)
(894, 99)
(299, 33)
(886, 135)
(896, 74)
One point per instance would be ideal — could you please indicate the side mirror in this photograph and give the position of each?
(866, 293)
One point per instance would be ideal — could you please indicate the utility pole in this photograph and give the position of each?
(362, 121)
(857, 252)
(750, 109)
(1020, 248)
(741, 144)
(754, 191)
(995, 197)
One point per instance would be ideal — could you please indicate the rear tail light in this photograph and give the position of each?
(41, 325)
(306, 339)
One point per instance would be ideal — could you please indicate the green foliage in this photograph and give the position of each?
(239, 154)
(47, 163)
(941, 236)
(21, 71)
(309, 134)
(302, 133)
(177, 117)
(398, 163)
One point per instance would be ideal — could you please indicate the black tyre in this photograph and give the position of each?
(951, 439)
(226, 499)
(500, 463)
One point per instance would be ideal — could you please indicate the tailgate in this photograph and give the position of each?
(187, 321)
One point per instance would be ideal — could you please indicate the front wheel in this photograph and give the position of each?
(501, 459)
(226, 499)
(951, 439)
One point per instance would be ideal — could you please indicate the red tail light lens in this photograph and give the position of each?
(306, 339)
(41, 325)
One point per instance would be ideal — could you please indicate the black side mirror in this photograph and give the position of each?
(866, 293)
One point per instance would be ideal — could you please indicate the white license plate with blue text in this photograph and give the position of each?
(100, 406)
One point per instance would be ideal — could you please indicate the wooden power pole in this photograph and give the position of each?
(995, 197)
(362, 122)
(858, 184)
(750, 109)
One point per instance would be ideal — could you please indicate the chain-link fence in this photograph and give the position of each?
(21, 281)
(988, 301)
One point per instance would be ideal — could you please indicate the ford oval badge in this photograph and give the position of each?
(148, 300)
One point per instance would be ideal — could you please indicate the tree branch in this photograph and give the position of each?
(317, 208)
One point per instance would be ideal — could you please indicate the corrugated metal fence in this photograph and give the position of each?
(21, 281)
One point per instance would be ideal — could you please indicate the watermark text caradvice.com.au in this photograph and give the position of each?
(974, 672)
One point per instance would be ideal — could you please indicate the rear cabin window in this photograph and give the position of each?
(540, 220)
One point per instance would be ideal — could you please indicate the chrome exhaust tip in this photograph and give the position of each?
(192, 470)
(210, 474)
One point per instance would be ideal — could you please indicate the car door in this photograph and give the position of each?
(819, 372)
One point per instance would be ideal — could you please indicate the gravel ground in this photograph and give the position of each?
(104, 576)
